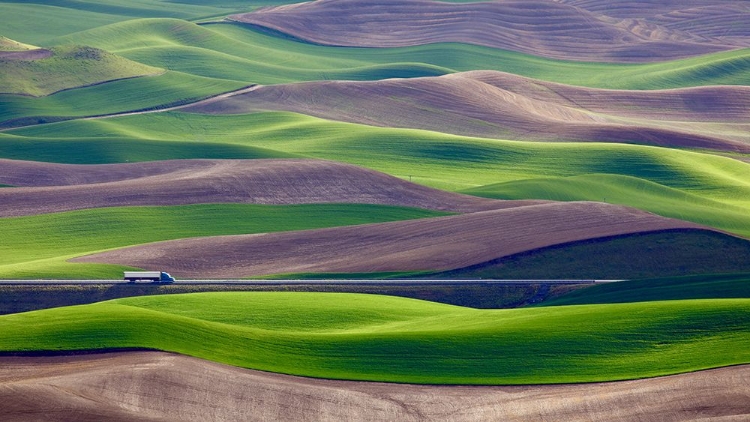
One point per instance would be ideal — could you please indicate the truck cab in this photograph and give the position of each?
(165, 277)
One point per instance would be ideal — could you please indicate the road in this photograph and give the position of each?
(333, 282)
(155, 109)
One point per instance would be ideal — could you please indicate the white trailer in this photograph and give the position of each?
(157, 276)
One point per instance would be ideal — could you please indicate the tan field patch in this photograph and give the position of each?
(63, 187)
(418, 245)
(154, 386)
(722, 20)
(36, 54)
(550, 29)
(7, 44)
(502, 105)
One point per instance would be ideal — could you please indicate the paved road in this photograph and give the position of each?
(335, 282)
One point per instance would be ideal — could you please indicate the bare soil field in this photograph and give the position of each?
(433, 244)
(155, 386)
(724, 20)
(36, 54)
(502, 105)
(545, 28)
(45, 188)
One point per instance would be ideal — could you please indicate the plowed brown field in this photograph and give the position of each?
(418, 245)
(47, 188)
(544, 28)
(501, 105)
(724, 20)
(153, 386)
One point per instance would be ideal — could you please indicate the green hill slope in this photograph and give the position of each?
(697, 187)
(241, 53)
(620, 189)
(245, 55)
(643, 255)
(7, 44)
(380, 338)
(166, 89)
(54, 18)
(38, 246)
(68, 67)
(675, 288)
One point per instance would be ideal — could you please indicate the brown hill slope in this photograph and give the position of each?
(544, 28)
(725, 21)
(61, 187)
(154, 386)
(418, 245)
(502, 105)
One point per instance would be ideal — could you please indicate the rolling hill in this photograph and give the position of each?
(232, 51)
(441, 243)
(636, 256)
(536, 139)
(367, 337)
(500, 105)
(722, 20)
(39, 246)
(548, 29)
(62, 68)
(703, 188)
(128, 386)
(55, 18)
(177, 182)
(8, 45)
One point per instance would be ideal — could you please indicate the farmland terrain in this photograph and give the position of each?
(551, 29)
(435, 244)
(130, 386)
(501, 105)
(585, 139)
(370, 337)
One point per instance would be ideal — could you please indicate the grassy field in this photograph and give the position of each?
(237, 52)
(698, 187)
(38, 246)
(672, 288)
(627, 190)
(170, 88)
(24, 298)
(54, 18)
(210, 59)
(123, 149)
(646, 255)
(68, 67)
(634, 329)
(7, 44)
(393, 339)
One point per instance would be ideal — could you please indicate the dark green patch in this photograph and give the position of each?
(118, 150)
(341, 276)
(676, 288)
(23, 298)
(649, 255)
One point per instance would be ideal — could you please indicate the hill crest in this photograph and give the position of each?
(547, 29)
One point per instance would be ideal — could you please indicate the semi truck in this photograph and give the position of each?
(156, 276)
